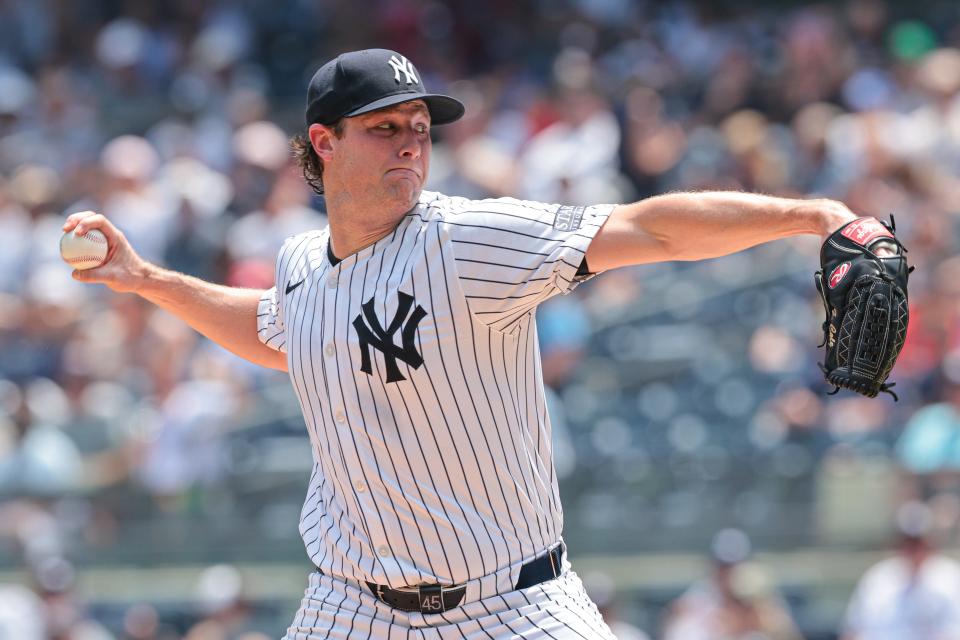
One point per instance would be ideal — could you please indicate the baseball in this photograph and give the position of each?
(84, 252)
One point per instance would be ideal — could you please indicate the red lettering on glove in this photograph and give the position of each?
(865, 230)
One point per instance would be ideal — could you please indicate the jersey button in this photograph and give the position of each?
(383, 551)
(360, 486)
(340, 417)
(329, 350)
(332, 282)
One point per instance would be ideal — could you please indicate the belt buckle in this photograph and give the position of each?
(431, 598)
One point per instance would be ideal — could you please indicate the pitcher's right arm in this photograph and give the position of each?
(226, 315)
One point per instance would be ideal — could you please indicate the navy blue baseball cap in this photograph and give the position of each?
(362, 81)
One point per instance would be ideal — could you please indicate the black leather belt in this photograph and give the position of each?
(425, 598)
(435, 598)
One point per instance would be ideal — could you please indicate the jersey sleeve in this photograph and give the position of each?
(511, 255)
(271, 325)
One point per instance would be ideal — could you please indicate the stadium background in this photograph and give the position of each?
(150, 481)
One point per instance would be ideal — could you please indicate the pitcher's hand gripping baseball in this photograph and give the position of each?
(864, 292)
(122, 269)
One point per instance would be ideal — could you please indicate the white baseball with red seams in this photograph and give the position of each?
(84, 252)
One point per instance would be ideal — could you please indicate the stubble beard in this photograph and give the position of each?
(403, 194)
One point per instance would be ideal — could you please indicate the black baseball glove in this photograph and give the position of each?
(865, 297)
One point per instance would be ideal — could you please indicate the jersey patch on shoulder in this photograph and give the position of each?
(568, 218)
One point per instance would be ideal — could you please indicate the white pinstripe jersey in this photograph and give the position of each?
(416, 364)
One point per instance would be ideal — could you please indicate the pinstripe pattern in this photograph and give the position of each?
(445, 474)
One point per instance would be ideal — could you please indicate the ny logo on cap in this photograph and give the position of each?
(404, 65)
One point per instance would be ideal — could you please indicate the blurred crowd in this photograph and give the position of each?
(173, 119)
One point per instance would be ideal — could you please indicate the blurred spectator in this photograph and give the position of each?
(38, 457)
(51, 611)
(930, 443)
(187, 449)
(914, 595)
(142, 622)
(603, 593)
(64, 614)
(138, 205)
(562, 328)
(738, 601)
(21, 613)
(574, 160)
(228, 615)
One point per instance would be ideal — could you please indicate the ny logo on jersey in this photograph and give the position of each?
(375, 336)
(404, 65)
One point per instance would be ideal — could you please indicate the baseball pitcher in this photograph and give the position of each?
(407, 329)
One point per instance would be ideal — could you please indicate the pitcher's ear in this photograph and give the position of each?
(321, 137)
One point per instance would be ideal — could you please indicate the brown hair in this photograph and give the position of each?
(308, 160)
